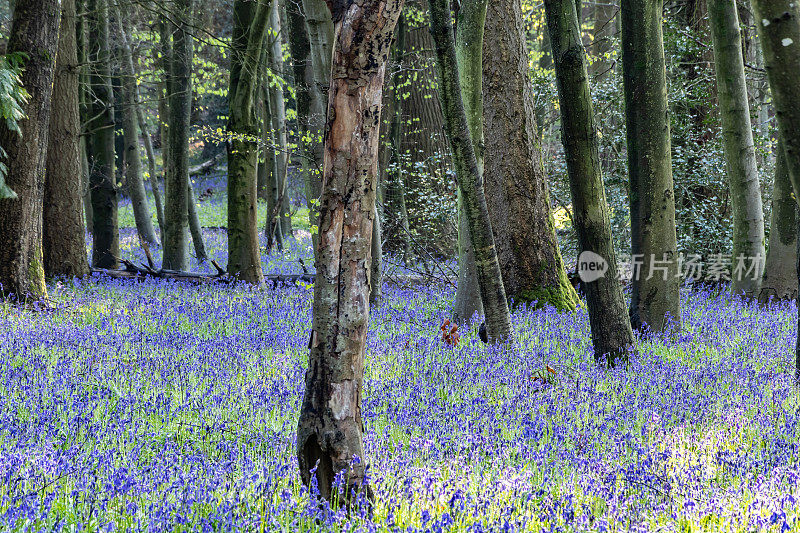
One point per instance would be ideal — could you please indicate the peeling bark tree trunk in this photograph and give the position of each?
(102, 177)
(133, 160)
(740, 151)
(63, 231)
(329, 433)
(249, 26)
(780, 269)
(652, 195)
(779, 31)
(611, 329)
(179, 89)
(34, 32)
(470, 181)
(518, 199)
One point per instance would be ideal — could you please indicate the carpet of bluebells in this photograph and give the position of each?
(161, 406)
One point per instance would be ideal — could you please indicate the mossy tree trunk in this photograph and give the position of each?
(64, 243)
(34, 32)
(102, 158)
(612, 335)
(249, 27)
(179, 93)
(133, 162)
(470, 180)
(654, 297)
(330, 429)
(515, 181)
(780, 268)
(740, 151)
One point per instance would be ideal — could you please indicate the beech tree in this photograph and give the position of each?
(63, 230)
(34, 33)
(737, 134)
(655, 286)
(611, 329)
(468, 174)
(329, 432)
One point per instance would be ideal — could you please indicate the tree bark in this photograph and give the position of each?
(740, 151)
(780, 269)
(612, 335)
(64, 243)
(179, 88)
(470, 180)
(102, 157)
(652, 197)
(133, 161)
(34, 32)
(518, 199)
(151, 168)
(194, 225)
(249, 27)
(329, 434)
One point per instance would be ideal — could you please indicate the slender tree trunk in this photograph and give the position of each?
(102, 157)
(779, 32)
(34, 32)
(83, 76)
(278, 117)
(605, 17)
(330, 429)
(655, 292)
(133, 162)
(179, 88)
(272, 226)
(518, 199)
(63, 231)
(151, 168)
(470, 181)
(469, 44)
(376, 255)
(195, 229)
(780, 275)
(612, 335)
(249, 26)
(740, 151)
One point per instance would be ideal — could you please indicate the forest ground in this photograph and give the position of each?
(161, 406)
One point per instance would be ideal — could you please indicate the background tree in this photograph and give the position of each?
(334, 381)
(652, 196)
(64, 244)
(34, 37)
(737, 132)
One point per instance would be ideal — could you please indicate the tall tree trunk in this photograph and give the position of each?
(605, 18)
(469, 43)
(102, 158)
(740, 151)
(779, 32)
(195, 229)
(179, 88)
(81, 32)
(133, 161)
(151, 168)
(780, 268)
(611, 329)
(329, 432)
(652, 196)
(519, 203)
(278, 117)
(34, 32)
(63, 232)
(273, 229)
(470, 180)
(249, 26)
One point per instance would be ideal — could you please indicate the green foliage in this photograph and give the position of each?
(12, 97)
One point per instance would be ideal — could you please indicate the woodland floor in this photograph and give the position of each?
(161, 406)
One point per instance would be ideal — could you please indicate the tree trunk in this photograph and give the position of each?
(34, 32)
(63, 231)
(249, 26)
(133, 161)
(329, 433)
(470, 180)
(469, 43)
(740, 151)
(179, 89)
(652, 196)
(605, 18)
(194, 225)
(273, 229)
(780, 275)
(102, 158)
(519, 203)
(612, 335)
(151, 168)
